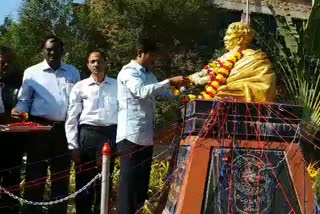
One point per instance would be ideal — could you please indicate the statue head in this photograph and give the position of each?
(238, 35)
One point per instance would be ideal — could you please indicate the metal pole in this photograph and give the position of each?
(106, 153)
(247, 12)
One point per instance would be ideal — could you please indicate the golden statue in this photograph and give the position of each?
(242, 73)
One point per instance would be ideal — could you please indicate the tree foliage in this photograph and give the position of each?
(296, 64)
(312, 33)
(188, 30)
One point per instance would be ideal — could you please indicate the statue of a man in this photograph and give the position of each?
(242, 73)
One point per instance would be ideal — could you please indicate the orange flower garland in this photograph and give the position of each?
(218, 73)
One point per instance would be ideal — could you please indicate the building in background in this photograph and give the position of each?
(299, 9)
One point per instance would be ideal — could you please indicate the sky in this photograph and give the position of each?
(11, 7)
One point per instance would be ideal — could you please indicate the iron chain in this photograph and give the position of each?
(71, 196)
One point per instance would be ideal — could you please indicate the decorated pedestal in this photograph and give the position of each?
(238, 157)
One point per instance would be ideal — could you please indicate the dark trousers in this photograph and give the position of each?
(11, 153)
(135, 167)
(43, 150)
(91, 141)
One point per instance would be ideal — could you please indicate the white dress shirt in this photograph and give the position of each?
(45, 92)
(91, 103)
(137, 89)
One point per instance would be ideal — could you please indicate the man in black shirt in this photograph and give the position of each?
(11, 143)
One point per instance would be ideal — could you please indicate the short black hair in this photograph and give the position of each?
(98, 51)
(147, 45)
(54, 39)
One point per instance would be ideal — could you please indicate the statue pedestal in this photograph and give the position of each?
(230, 169)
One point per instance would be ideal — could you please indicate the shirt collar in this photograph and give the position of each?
(138, 66)
(91, 81)
(46, 66)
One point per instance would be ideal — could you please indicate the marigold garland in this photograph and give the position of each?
(215, 75)
(313, 171)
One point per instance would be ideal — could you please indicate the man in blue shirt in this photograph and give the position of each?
(44, 95)
(137, 89)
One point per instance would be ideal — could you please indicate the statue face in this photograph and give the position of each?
(238, 35)
(231, 40)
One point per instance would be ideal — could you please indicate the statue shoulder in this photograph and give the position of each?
(257, 53)
(251, 51)
(248, 51)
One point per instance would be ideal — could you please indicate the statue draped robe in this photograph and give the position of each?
(251, 79)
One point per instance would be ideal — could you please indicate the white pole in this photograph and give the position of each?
(247, 12)
(106, 153)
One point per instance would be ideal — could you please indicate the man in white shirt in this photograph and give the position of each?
(137, 88)
(91, 122)
(44, 95)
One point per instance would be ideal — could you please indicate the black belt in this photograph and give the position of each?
(97, 128)
(44, 121)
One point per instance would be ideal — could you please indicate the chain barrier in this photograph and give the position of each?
(48, 203)
(71, 196)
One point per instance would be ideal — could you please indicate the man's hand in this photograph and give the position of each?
(15, 113)
(179, 81)
(75, 156)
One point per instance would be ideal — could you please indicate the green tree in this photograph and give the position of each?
(40, 18)
(37, 19)
(188, 30)
(297, 66)
(5, 26)
(312, 32)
